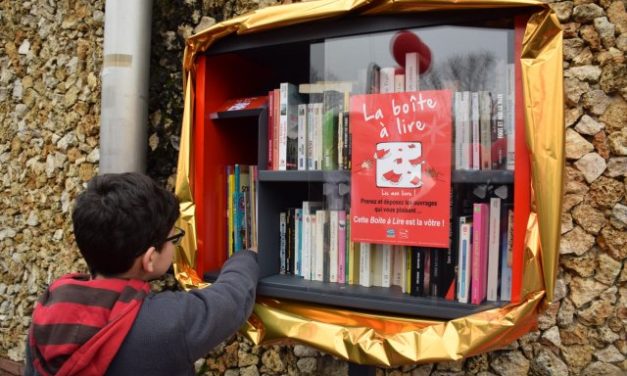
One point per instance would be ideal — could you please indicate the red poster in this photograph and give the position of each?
(401, 168)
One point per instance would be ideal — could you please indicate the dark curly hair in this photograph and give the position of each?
(118, 217)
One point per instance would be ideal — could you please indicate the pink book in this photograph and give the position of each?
(479, 259)
(341, 247)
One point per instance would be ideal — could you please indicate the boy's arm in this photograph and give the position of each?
(214, 313)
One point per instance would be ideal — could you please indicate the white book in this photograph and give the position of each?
(510, 115)
(462, 130)
(317, 254)
(399, 83)
(386, 265)
(317, 144)
(365, 265)
(313, 219)
(386, 80)
(310, 137)
(376, 266)
(494, 244)
(302, 136)
(398, 266)
(464, 262)
(333, 245)
(308, 242)
(475, 136)
(411, 71)
(284, 93)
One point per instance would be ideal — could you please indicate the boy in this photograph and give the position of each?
(109, 322)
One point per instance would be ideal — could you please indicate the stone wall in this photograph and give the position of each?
(50, 63)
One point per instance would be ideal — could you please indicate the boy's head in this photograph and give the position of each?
(119, 218)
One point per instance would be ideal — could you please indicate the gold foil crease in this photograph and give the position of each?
(382, 339)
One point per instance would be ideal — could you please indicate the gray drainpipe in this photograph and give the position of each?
(125, 75)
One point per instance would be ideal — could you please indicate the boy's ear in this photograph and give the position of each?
(147, 260)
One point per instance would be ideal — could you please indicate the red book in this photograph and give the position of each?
(270, 128)
(479, 259)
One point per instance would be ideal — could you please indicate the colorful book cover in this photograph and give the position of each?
(401, 168)
(499, 142)
(464, 260)
(478, 275)
(506, 254)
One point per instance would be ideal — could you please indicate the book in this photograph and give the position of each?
(276, 129)
(373, 78)
(271, 135)
(417, 271)
(510, 116)
(412, 72)
(464, 261)
(386, 265)
(407, 275)
(499, 142)
(376, 265)
(365, 267)
(494, 249)
(239, 104)
(399, 82)
(288, 130)
(318, 135)
(318, 253)
(289, 237)
(311, 127)
(332, 107)
(475, 135)
(386, 77)
(309, 209)
(478, 275)
(506, 253)
(230, 208)
(341, 247)
(302, 137)
(485, 129)
(462, 130)
(334, 223)
(298, 241)
(283, 242)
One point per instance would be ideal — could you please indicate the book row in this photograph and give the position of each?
(241, 207)
(315, 245)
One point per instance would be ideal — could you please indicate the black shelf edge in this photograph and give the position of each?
(483, 176)
(459, 176)
(335, 176)
(236, 114)
(379, 299)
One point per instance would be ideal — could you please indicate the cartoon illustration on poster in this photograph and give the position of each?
(401, 168)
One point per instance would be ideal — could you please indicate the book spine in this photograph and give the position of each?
(510, 116)
(332, 107)
(289, 238)
(298, 241)
(341, 249)
(507, 257)
(310, 137)
(364, 265)
(426, 271)
(237, 239)
(398, 266)
(417, 271)
(387, 80)
(318, 142)
(282, 242)
(277, 127)
(494, 249)
(340, 140)
(411, 71)
(499, 143)
(386, 265)
(307, 244)
(457, 114)
(230, 211)
(464, 259)
(283, 126)
(408, 271)
(399, 83)
(270, 129)
(333, 245)
(474, 122)
(485, 124)
(317, 254)
(466, 132)
(479, 253)
(302, 137)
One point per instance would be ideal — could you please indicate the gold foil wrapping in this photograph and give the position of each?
(385, 340)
